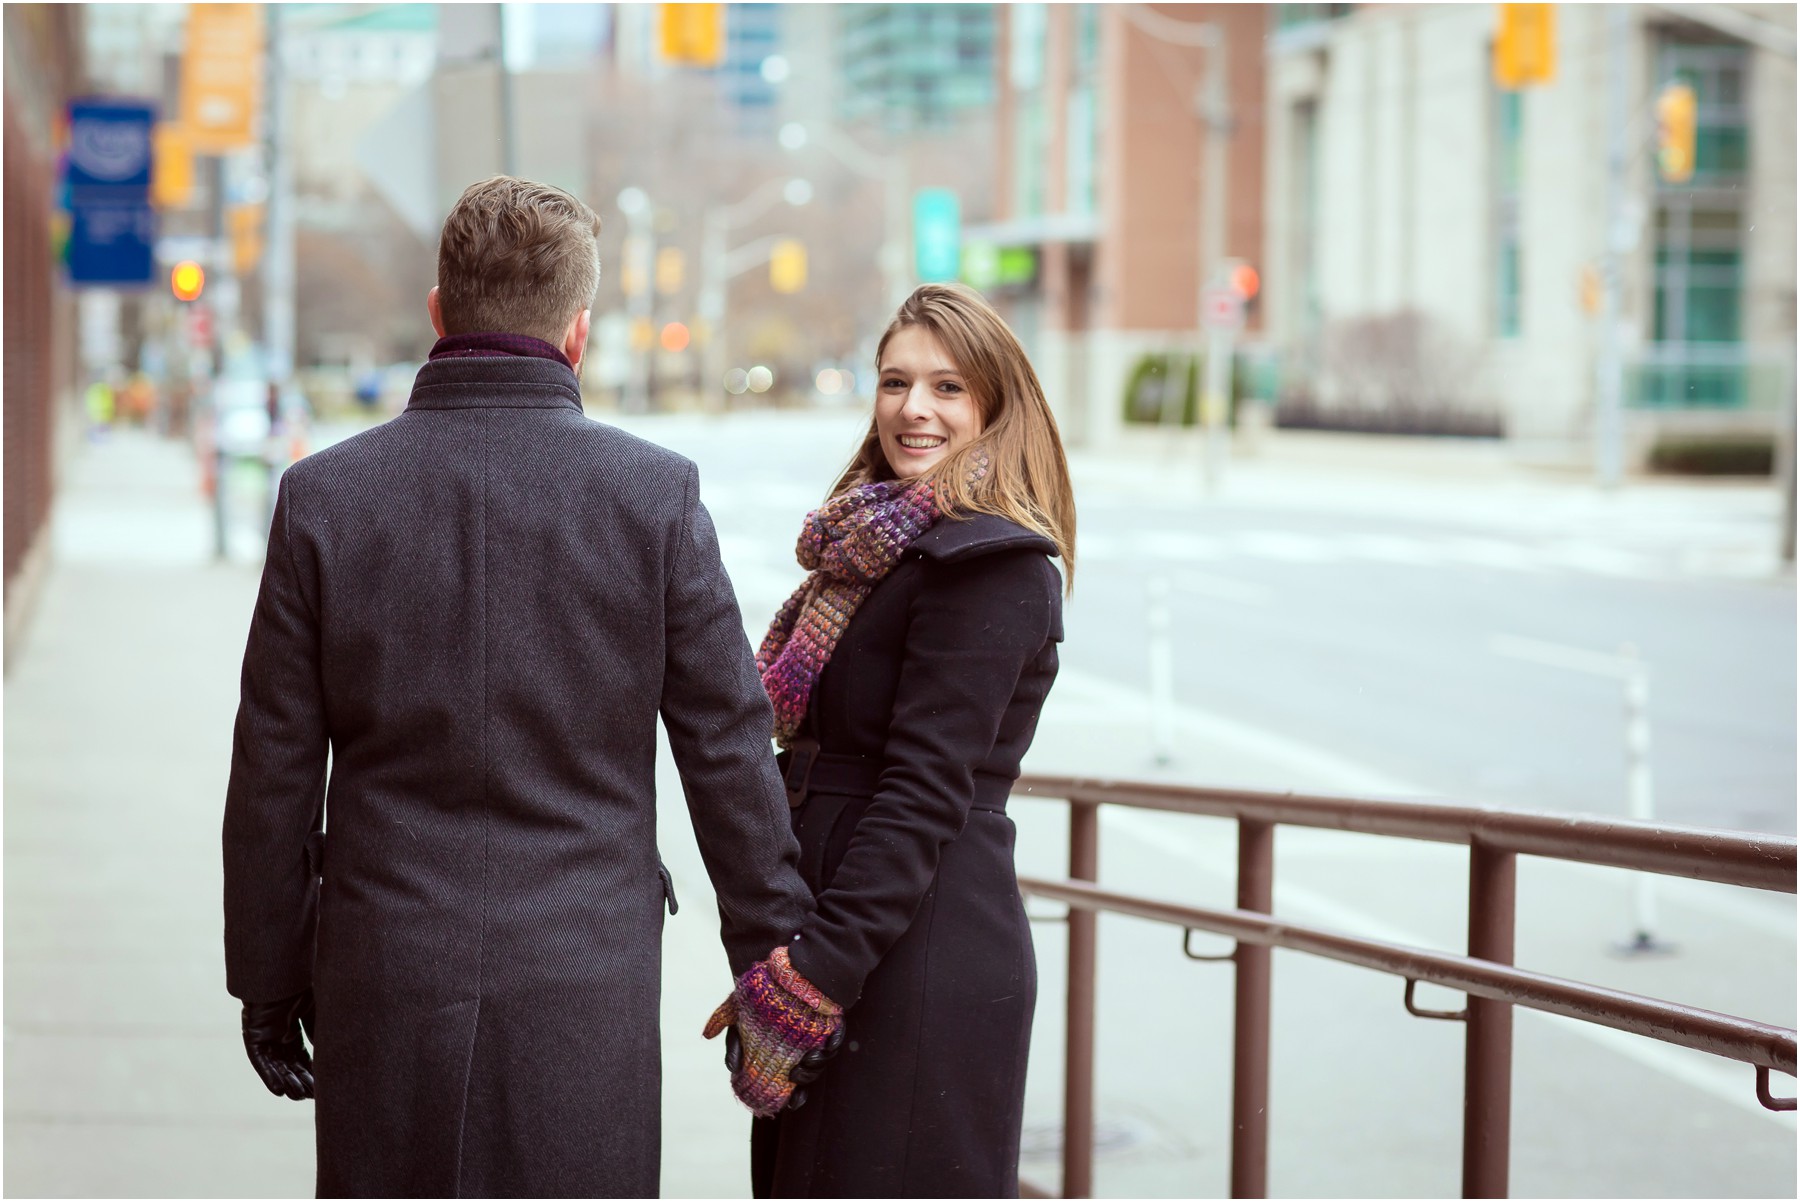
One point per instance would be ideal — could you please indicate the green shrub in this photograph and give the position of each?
(1143, 399)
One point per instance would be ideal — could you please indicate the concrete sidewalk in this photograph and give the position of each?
(125, 1075)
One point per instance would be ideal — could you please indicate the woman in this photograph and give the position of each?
(907, 674)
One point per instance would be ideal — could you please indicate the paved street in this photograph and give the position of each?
(1335, 613)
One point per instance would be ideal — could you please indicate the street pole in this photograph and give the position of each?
(1162, 670)
(1784, 449)
(894, 254)
(712, 309)
(1215, 397)
(1609, 408)
(508, 156)
(278, 256)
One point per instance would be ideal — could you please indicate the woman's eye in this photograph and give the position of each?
(891, 382)
(950, 386)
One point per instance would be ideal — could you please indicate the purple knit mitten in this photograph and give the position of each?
(780, 1017)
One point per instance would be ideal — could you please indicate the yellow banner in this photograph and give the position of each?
(221, 76)
(245, 225)
(172, 176)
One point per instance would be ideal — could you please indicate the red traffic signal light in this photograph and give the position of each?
(186, 280)
(1244, 281)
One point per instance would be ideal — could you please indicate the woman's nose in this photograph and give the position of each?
(918, 404)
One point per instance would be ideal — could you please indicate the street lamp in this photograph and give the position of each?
(890, 171)
(719, 265)
(635, 204)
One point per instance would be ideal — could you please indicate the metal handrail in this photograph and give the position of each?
(1702, 853)
(1486, 974)
(1742, 1039)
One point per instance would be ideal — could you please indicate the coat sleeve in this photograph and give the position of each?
(719, 721)
(276, 794)
(973, 628)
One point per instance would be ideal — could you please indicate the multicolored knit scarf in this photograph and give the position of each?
(850, 544)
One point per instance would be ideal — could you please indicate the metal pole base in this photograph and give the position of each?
(1643, 943)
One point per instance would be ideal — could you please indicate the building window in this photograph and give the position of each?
(1509, 129)
(1700, 223)
(1082, 130)
(1026, 76)
(1699, 270)
(1294, 16)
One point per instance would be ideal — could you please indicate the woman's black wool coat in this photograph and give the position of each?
(934, 689)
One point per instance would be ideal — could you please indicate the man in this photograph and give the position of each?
(480, 608)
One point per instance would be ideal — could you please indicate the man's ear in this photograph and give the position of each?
(437, 314)
(575, 338)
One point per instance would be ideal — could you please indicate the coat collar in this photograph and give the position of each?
(953, 539)
(497, 382)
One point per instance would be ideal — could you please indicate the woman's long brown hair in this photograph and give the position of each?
(1028, 475)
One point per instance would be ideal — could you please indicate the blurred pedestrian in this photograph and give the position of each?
(907, 673)
(138, 399)
(479, 610)
(101, 402)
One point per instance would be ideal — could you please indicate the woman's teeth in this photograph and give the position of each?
(920, 442)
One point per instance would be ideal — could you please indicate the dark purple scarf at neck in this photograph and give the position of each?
(467, 346)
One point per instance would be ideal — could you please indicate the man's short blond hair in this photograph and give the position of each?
(517, 257)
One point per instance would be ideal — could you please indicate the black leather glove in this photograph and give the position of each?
(804, 1073)
(272, 1037)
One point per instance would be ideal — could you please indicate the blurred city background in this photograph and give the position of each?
(1427, 373)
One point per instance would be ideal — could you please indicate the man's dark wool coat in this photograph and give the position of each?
(922, 714)
(480, 608)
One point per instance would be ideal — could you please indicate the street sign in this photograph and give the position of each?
(110, 144)
(1222, 309)
(199, 327)
(937, 234)
(112, 228)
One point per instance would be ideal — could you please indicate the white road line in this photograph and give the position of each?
(1557, 655)
(1729, 1082)
(1223, 588)
(1349, 775)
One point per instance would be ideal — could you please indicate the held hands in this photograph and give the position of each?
(782, 1032)
(272, 1038)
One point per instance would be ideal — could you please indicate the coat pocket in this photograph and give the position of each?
(668, 886)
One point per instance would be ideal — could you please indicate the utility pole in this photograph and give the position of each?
(1215, 398)
(508, 155)
(278, 255)
(1609, 409)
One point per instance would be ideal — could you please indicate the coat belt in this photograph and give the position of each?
(808, 769)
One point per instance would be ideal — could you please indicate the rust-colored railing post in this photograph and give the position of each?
(1078, 1063)
(1250, 1045)
(1487, 1061)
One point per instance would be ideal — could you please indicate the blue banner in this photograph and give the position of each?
(112, 228)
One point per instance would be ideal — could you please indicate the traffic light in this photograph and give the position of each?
(187, 280)
(670, 268)
(787, 265)
(1525, 47)
(1245, 281)
(693, 34)
(1677, 118)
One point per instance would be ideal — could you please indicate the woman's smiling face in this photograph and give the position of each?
(924, 412)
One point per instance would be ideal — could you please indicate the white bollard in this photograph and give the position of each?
(1162, 670)
(1639, 799)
